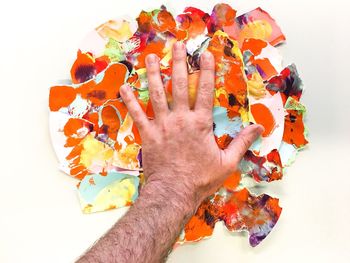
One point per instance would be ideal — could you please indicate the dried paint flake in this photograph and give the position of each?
(97, 142)
(239, 210)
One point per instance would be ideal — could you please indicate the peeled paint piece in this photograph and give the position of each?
(262, 168)
(270, 113)
(202, 224)
(223, 16)
(224, 125)
(230, 76)
(98, 143)
(294, 131)
(86, 67)
(261, 57)
(113, 190)
(193, 21)
(257, 24)
(287, 83)
(257, 215)
(240, 211)
(103, 134)
(102, 87)
(288, 153)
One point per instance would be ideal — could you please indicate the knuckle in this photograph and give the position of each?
(157, 94)
(181, 83)
(206, 87)
(203, 122)
(180, 121)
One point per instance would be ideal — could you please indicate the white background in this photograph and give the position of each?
(40, 218)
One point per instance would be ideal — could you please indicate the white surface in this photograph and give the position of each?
(40, 219)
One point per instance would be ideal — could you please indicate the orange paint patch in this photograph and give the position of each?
(294, 129)
(241, 196)
(223, 16)
(223, 141)
(129, 139)
(266, 66)
(276, 172)
(93, 118)
(73, 130)
(108, 88)
(152, 48)
(232, 111)
(233, 78)
(197, 229)
(84, 60)
(137, 137)
(110, 121)
(192, 23)
(149, 110)
(193, 80)
(79, 171)
(263, 116)
(166, 22)
(60, 97)
(233, 181)
(254, 45)
(274, 206)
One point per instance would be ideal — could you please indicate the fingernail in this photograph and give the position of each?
(179, 46)
(152, 58)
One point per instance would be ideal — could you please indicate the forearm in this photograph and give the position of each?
(149, 229)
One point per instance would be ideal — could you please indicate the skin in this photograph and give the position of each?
(182, 164)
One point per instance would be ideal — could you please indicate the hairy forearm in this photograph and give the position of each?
(149, 229)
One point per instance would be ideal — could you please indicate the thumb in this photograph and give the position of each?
(240, 145)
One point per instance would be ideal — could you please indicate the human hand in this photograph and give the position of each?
(179, 151)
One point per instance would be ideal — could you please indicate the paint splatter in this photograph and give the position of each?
(98, 144)
(239, 210)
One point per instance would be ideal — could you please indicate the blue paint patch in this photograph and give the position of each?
(89, 191)
(225, 125)
(99, 77)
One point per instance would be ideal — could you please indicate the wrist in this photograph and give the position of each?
(178, 199)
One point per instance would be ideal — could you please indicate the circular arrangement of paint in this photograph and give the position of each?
(97, 142)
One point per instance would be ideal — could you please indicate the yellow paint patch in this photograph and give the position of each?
(95, 152)
(117, 194)
(256, 87)
(258, 29)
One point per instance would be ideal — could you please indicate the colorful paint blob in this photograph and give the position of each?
(97, 142)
